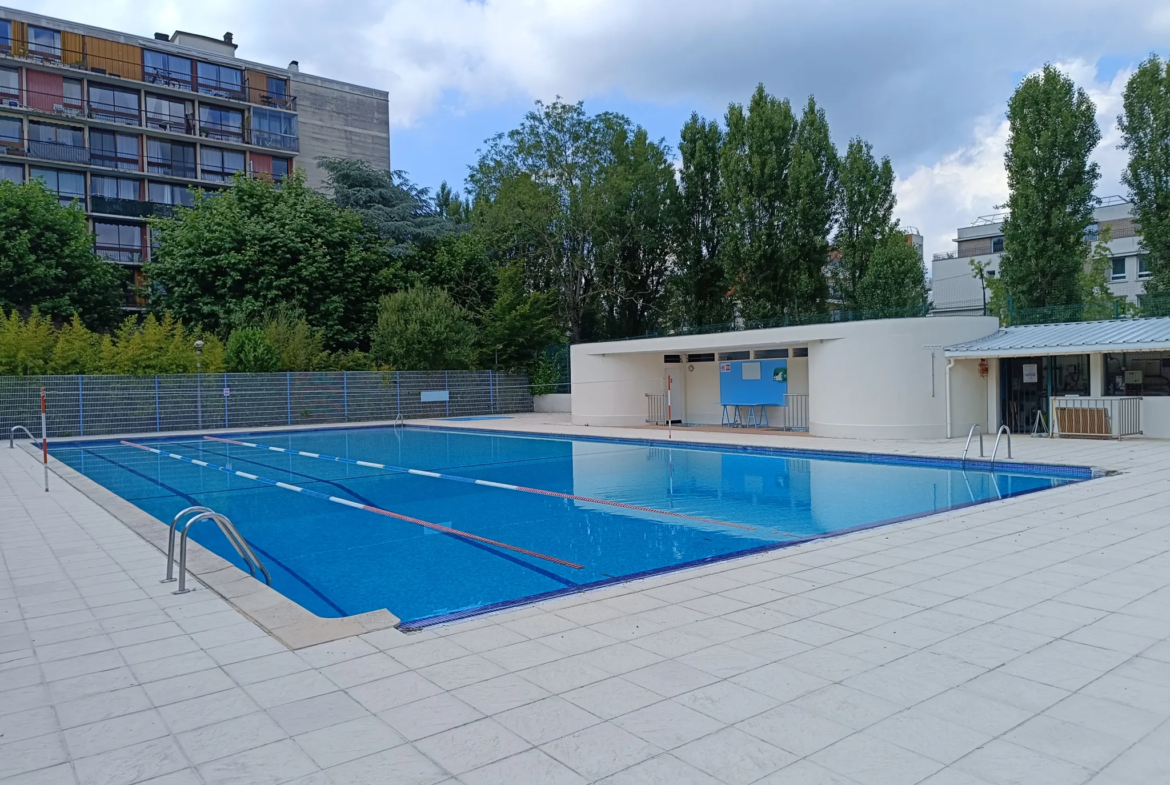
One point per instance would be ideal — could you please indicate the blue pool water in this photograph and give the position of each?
(338, 561)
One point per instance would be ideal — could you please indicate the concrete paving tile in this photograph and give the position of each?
(727, 702)
(544, 720)
(612, 697)
(668, 724)
(133, 763)
(348, 741)
(361, 670)
(796, 730)
(1073, 743)
(230, 737)
(384, 694)
(26, 755)
(661, 770)
(110, 734)
(1003, 762)
(410, 767)
(311, 714)
(274, 763)
(429, 716)
(928, 735)
(530, 766)
(500, 694)
(779, 681)
(471, 746)
(734, 757)
(871, 761)
(600, 750)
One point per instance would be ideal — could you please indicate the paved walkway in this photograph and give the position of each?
(1024, 641)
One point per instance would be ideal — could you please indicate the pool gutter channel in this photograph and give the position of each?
(280, 617)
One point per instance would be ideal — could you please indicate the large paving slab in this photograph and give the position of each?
(1022, 641)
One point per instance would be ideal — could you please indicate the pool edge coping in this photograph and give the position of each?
(285, 620)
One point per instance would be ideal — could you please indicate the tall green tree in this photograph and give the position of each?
(753, 164)
(236, 256)
(520, 323)
(1052, 134)
(576, 200)
(807, 218)
(700, 285)
(639, 189)
(894, 283)
(47, 259)
(422, 329)
(865, 213)
(1145, 129)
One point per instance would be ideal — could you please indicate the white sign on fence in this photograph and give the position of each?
(430, 396)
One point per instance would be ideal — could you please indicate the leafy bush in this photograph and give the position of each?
(422, 329)
(249, 351)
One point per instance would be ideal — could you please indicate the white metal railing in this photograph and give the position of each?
(656, 408)
(796, 412)
(1102, 418)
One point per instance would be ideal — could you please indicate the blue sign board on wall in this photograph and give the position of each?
(753, 382)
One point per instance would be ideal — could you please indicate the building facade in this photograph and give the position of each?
(957, 292)
(129, 127)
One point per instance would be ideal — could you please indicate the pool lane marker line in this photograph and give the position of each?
(356, 505)
(487, 483)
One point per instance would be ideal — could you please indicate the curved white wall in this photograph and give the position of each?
(874, 382)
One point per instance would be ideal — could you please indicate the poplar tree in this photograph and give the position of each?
(1145, 129)
(700, 285)
(1052, 133)
(865, 212)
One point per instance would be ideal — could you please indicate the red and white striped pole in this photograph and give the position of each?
(44, 441)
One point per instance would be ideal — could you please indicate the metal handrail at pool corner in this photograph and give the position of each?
(12, 435)
(1003, 429)
(970, 434)
(229, 530)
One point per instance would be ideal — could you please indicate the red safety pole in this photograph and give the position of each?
(44, 441)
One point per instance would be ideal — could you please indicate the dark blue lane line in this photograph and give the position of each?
(192, 501)
(507, 556)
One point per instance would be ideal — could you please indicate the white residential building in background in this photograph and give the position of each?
(956, 291)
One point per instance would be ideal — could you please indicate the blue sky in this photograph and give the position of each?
(926, 82)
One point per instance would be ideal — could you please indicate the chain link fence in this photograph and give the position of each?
(107, 405)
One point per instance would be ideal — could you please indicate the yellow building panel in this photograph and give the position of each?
(121, 59)
(19, 38)
(72, 49)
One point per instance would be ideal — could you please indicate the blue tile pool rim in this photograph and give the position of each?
(1055, 470)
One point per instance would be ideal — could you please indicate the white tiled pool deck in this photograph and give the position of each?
(1024, 641)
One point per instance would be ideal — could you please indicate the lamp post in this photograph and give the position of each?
(198, 381)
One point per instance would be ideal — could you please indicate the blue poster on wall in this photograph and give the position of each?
(753, 382)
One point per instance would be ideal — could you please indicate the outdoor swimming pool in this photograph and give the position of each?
(680, 504)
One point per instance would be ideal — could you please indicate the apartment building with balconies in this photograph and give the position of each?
(129, 127)
(956, 291)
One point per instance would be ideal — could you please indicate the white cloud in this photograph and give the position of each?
(970, 181)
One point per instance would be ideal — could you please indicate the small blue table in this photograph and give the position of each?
(733, 415)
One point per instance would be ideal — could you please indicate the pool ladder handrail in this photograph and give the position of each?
(12, 435)
(1003, 429)
(197, 514)
(970, 435)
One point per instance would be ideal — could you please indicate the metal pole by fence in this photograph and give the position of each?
(80, 408)
(345, 395)
(44, 440)
(288, 395)
(226, 394)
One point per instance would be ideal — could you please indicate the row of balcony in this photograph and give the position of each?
(971, 249)
(77, 154)
(231, 84)
(177, 122)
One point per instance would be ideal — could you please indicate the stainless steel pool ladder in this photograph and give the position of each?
(970, 435)
(12, 435)
(194, 515)
(1003, 430)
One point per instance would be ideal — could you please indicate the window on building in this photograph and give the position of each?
(770, 354)
(165, 193)
(118, 242)
(219, 165)
(10, 83)
(114, 188)
(57, 143)
(44, 42)
(281, 167)
(68, 186)
(1070, 374)
(13, 173)
(1143, 266)
(1118, 268)
(273, 128)
(701, 358)
(997, 244)
(220, 80)
(5, 35)
(171, 158)
(169, 114)
(117, 151)
(11, 131)
(61, 134)
(278, 90)
(113, 106)
(217, 122)
(71, 94)
(1137, 373)
(735, 355)
(166, 69)
(801, 352)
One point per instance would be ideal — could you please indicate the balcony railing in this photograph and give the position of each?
(276, 141)
(169, 167)
(55, 151)
(123, 254)
(129, 208)
(1099, 418)
(244, 91)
